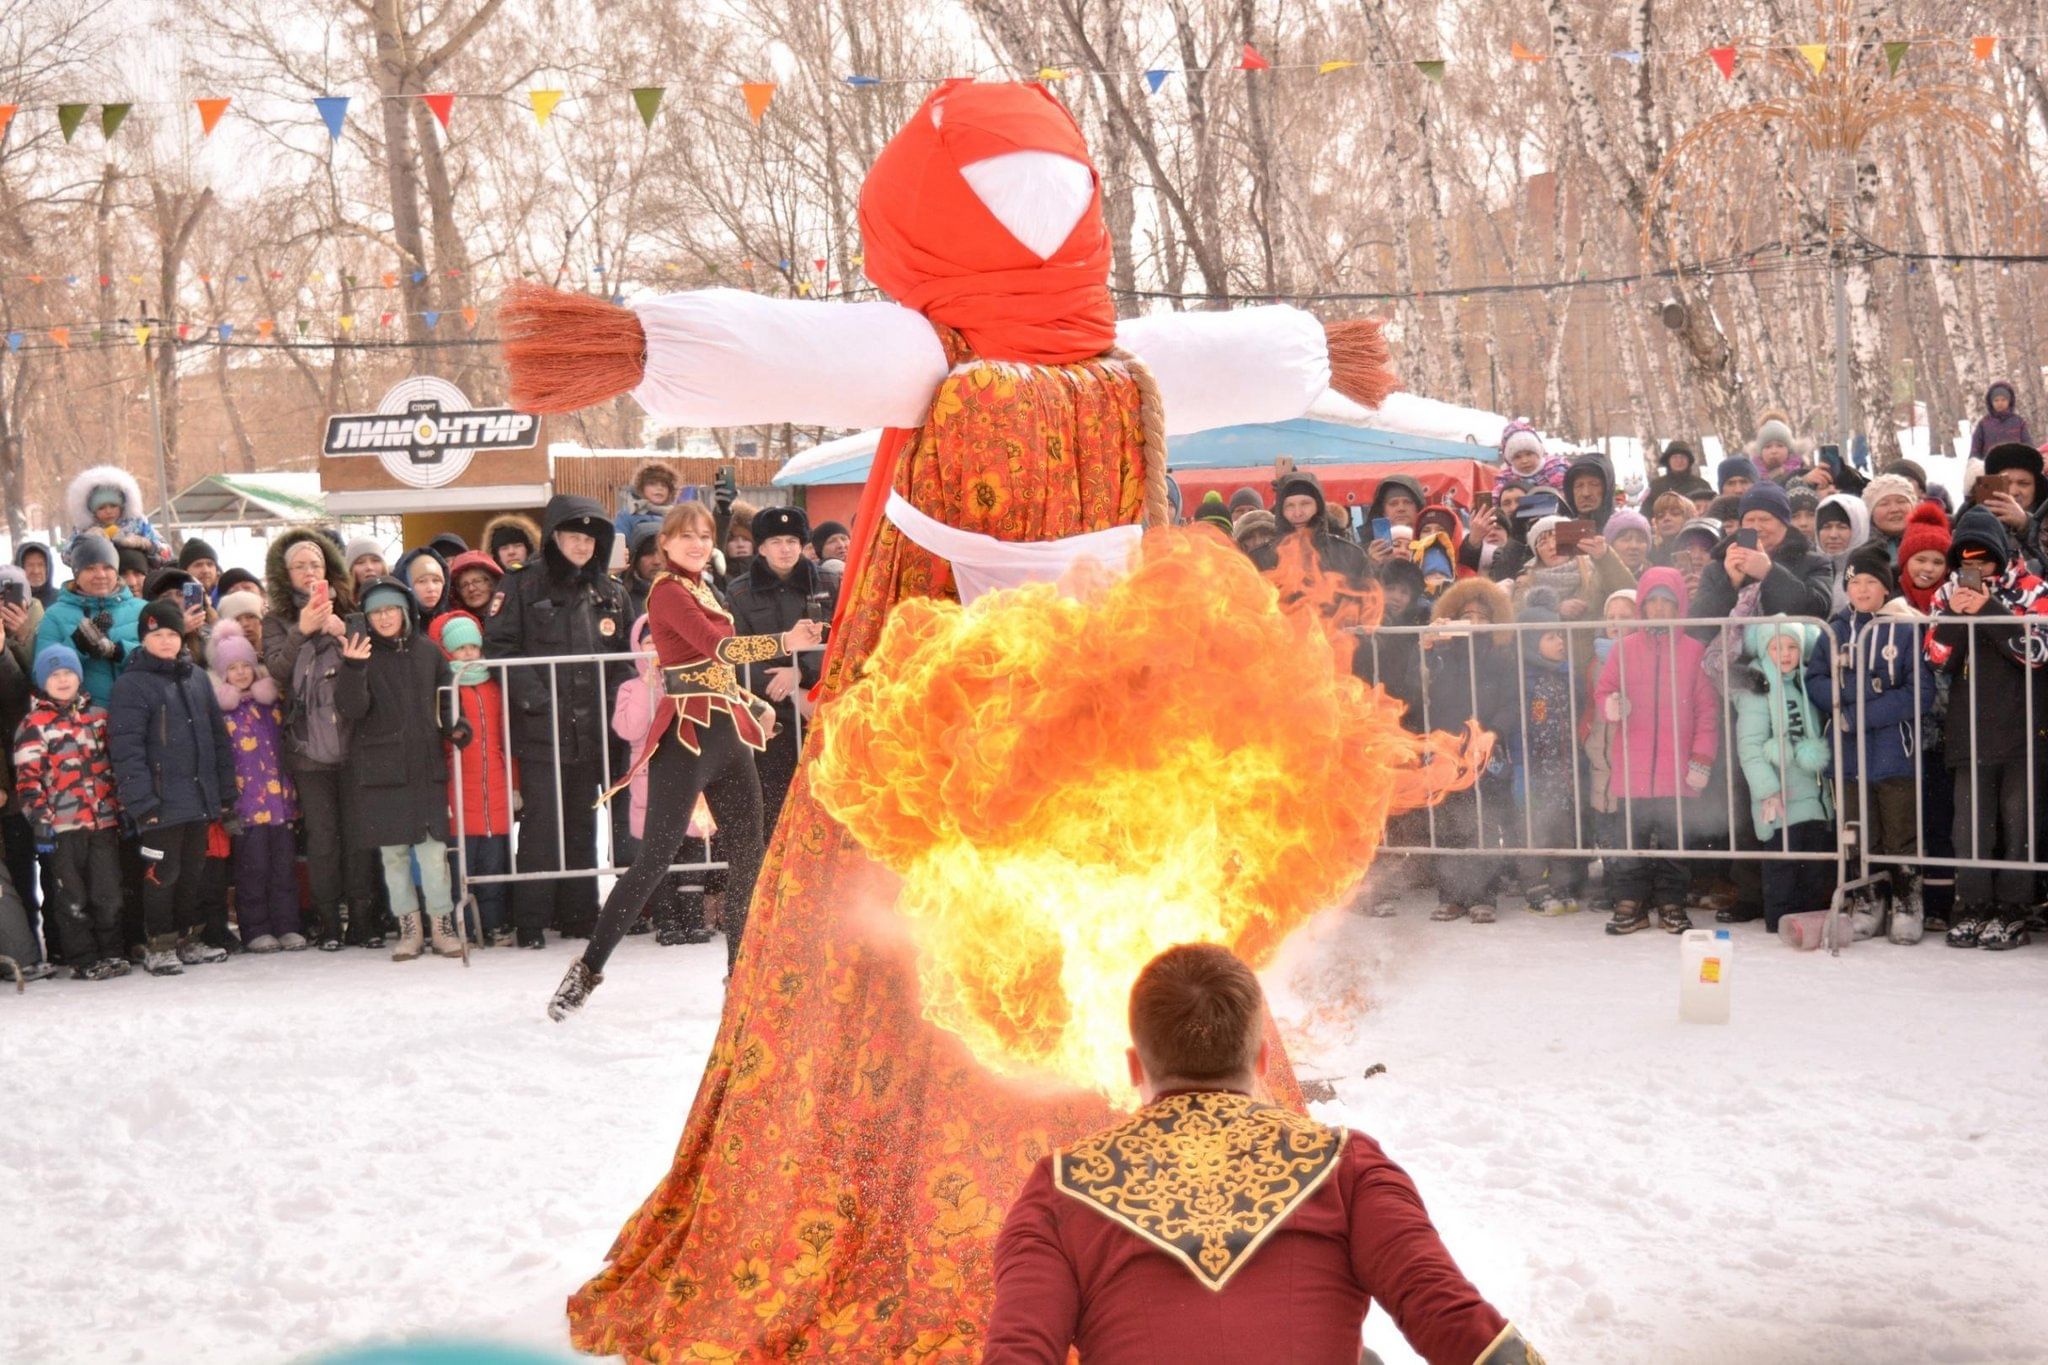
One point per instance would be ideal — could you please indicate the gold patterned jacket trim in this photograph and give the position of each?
(1509, 1349)
(1207, 1176)
(749, 649)
(709, 679)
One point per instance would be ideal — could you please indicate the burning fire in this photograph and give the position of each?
(1070, 778)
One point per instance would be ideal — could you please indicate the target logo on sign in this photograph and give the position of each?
(425, 433)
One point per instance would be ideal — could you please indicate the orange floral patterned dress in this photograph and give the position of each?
(846, 1165)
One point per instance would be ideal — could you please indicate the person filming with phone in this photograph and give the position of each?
(1766, 568)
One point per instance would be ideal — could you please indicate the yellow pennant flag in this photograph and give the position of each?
(348, 323)
(1051, 73)
(141, 336)
(1327, 67)
(544, 102)
(1816, 55)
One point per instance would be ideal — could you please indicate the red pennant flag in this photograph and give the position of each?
(1724, 57)
(1252, 61)
(469, 318)
(441, 103)
(35, 279)
(209, 114)
(184, 330)
(384, 319)
(7, 112)
(819, 263)
(106, 280)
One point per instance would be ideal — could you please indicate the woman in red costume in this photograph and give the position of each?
(708, 729)
(847, 1165)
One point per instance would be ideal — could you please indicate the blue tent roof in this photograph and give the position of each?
(1307, 440)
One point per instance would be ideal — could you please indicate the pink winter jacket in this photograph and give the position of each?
(1647, 668)
(633, 719)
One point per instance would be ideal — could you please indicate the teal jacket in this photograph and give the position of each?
(1779, 738)
(60, 620)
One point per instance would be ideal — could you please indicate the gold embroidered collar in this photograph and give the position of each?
(698, 589)
(1205, 1176)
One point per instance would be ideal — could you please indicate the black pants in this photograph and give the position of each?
(724, 773)
(1991, 822)
(1790, 887)
(777, 766)
(19, 838)
(173, 871)
(333, 869)
(566, 904)
(84, 908)
(1651, 882)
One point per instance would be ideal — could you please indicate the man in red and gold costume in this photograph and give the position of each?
(845, 1169)
(1214, 1226)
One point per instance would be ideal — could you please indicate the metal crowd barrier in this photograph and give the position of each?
(610, 670)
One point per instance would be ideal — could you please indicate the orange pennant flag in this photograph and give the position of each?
(441, 103)
(62, 336)
(264, 328)
(1523, 54)
(7, 112)
(469, 318)
(209, 114)
(758, 95)
(390, 279)
(1982, 46)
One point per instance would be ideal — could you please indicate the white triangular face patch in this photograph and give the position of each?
(1038, 196)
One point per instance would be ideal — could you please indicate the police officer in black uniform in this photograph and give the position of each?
(777, 588)
(563, 603)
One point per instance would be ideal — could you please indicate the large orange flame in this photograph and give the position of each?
(1070, 778)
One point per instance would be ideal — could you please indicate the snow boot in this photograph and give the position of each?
(1909, 911)
(1627, 918)
(37, 971)
(292, 943)
(2004, 931)
(410, 944)
(1444, 914)
(161, 957)
(1482, 913)
(643, 925)
(501, 937)
(1970, 922)
(533, 938)
(577, 984)
(195, 952)
(1866, 914)
(446, 942)
(265, 943)
(106, 969)
(1672, 919)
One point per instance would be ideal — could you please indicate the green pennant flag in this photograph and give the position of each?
(647, 99)
(302, 326)
(110, 118)
(1433, 70)
(69, 116)
(1894, 53)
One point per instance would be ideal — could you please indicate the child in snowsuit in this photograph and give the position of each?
(1785, 761)
(175, 771)
(1887, 700)
(266, 871)
(1524, 463)
(397, 777)
(1668, 729)
(107, 501)
(484, 776)
(1470, 676)
(64, 781)
(1544, 751)
(1602, 803)
(2001, 423)
(1978, 638)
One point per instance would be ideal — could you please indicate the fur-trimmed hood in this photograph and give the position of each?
(1465, 592)
(511, 524)
(80, 489)
(663, 467)
(277, 580)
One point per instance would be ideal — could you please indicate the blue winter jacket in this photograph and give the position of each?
(1891, 705)
(173, 762)
(122, 608)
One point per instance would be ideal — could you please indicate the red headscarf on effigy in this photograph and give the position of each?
(932, 245)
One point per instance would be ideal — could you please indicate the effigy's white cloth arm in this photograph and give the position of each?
(727, 358)
(981, 563)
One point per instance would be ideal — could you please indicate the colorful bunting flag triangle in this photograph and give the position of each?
(469, 318)
(1816, 55)
(758, 95)
(1724, 57)
(1155, 78)
(1983, 45)
(1432, 70)
(1252, 61)
(69, 116)
(333, 109)
(1327, 67)
(62, 336)
(1894, 53)
(442, 102)
(1523, 54)
(544, 102)
(111, 116)
(209, 114)
(7, 113)
(647, 99)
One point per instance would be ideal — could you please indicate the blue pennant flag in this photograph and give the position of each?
(227, 329)
(418, 275)
(619, 300)
(1155, 79)
(333, 109)
(432, 315)
(14, 341)
(1631, 56)
(862, 82)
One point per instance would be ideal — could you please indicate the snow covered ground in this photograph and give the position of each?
(276, 1156)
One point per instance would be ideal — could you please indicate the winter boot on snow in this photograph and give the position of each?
(446, 942)
(1909, 910)
(1482, 912)
(105, 969)
(196, 951)
(160, 958)
(1866, 914)
(2005, 929)
(410, 943)
(1672, 919)
(1968, 924)
(1627, 918)
(577, 984)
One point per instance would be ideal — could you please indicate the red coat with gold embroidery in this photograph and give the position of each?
(689, 627)
(1104, 1251)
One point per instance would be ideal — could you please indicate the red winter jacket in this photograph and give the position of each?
(487, 773)
(64, 767)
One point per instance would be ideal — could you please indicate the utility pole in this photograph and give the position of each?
(156, 426)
